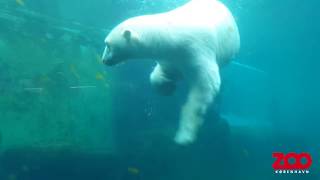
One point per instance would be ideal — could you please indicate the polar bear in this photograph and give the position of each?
(189, 43)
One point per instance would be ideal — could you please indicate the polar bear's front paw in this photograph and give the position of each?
(184, 137)
(162, 83)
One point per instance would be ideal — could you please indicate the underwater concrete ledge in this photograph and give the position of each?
(227, 152)
(36, 164)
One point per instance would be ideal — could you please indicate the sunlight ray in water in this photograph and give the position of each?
(251, 68)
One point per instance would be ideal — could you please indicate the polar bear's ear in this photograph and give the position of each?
(130, 35)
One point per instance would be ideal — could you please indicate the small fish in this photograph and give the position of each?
(74, 71)
(133, 170)
(44, 78)
(20, 2)
(100, 76)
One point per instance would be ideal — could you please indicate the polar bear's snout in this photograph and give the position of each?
(108, 61)
(107, 56)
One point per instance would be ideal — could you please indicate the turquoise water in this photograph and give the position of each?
(64, 115)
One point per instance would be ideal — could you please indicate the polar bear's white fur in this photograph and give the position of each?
(189, 43)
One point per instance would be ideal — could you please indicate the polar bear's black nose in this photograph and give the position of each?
(109, 62)
(106, 62)
(107, 59)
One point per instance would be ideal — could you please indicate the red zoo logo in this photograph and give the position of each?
(291, 161)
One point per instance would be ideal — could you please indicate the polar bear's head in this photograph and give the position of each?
(122, 43)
